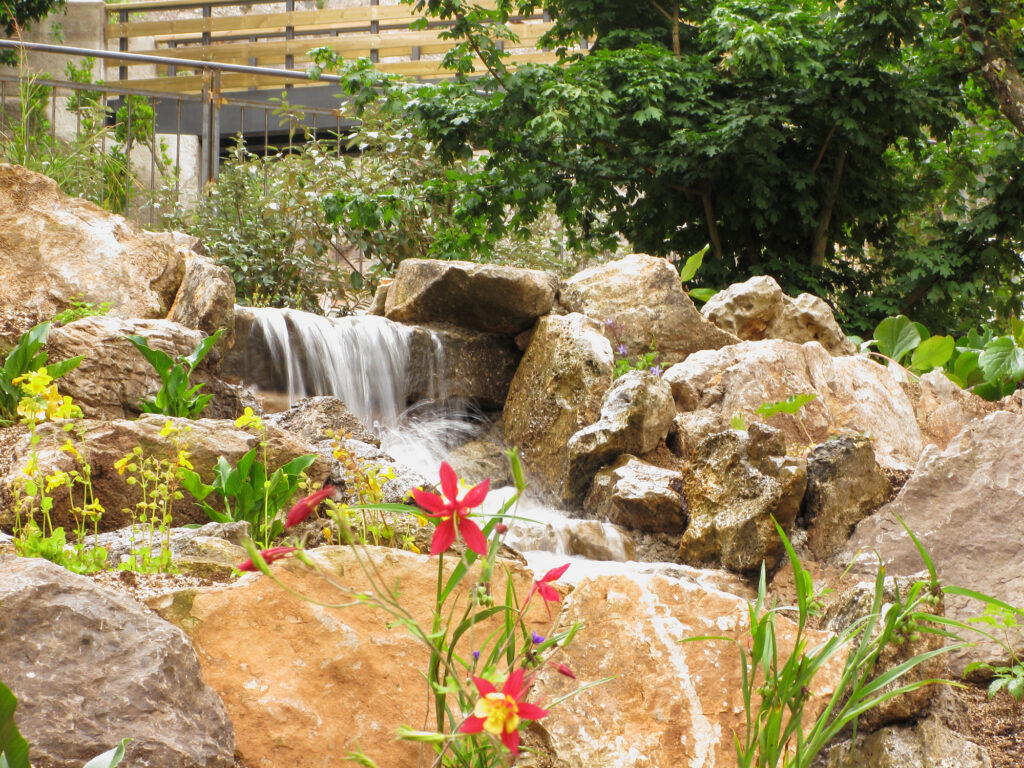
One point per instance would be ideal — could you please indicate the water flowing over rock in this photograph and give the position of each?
(480, 460)
(114, 376)
(643, 297)
(928, 744)
(90, 667)
(639, 495)
(481, 297)
(636, 415)
(670, 703)
(361, 360)
(206, 299)
(855, 395)
(558, 389)
(109, 441)
(758, 309)
(964, 503)
(55, 249)
(446, 361)
(735, 482)
(844, 485)
(305, 684)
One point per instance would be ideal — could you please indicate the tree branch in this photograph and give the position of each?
(997, 66)
(709, 218)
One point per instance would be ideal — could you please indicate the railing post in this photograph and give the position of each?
(374, 30)
(122, 45)
(289, 34)
(204, 132)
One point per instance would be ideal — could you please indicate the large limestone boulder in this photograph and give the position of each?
(636, 415)
(639, 495)
(927, 744)
(758, 309)
(558, 389)
(735, 483)
(964, 503)
(315, 419)
(114, 376)
(671, 703)
(844, 485)
(90, 667)
(109, 441)
(206, 299)
(640, 301)
(855, 394)
(446, 361)
(55, 249)
(944, 409)
(481, 297)
(304, 684)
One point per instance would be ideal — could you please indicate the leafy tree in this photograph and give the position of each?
(801, 138)
(17, 16)
(994, 33)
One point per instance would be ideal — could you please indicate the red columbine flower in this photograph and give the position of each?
(453, 512)
(304, 508)
(500, 712)
(269, 555)
(543, 586)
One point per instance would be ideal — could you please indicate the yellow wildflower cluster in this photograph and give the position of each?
(42, 401)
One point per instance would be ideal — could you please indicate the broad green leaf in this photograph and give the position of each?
(110, 758)
(12, 745)
(966, 369)
(790, 405)
(933, 352)
(1002, 360)
(692, 265)
(896, 336)
(702, 294)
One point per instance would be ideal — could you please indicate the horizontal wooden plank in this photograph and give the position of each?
(238, 82)
(138, 6)
(350, 46)
(244, 22)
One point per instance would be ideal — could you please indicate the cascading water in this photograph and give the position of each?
(365, 362)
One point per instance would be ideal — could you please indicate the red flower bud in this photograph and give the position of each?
(563, 670)
(269, 556)
(305, 506)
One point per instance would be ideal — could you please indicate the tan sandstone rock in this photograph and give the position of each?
(758, 309)
(964, 504)
(304, 684)
(109, 441)
(855, 395)
(482, 297)
(55, 249)
(558, 389)
(643, 297)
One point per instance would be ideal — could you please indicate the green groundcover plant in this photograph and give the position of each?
(176, 397)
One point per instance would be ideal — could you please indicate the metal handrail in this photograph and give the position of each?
(143, 58)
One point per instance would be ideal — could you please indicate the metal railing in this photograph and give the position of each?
(209, 115)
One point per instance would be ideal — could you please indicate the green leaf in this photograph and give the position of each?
(12, 745)
(109, 759)
(790, 405)
(896, 336)
(933, 352)
(702, 294)
(692, 265)
(1002, 359)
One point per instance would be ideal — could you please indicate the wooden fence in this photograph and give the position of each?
(241, 34)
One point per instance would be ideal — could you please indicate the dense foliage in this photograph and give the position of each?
(17, 16)
(857, 150)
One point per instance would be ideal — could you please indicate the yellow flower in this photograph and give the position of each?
(35, 382)
(122, 464)
(93, 509)
(63, 408)
(56, 480)
(69, 448)
(31, 410)
(169, 429)
(183, 459)
(249, 419)
(32, 467)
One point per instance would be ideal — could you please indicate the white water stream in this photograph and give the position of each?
(365, 362)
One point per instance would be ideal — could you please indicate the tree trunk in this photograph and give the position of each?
(821, 238)
(709, 217)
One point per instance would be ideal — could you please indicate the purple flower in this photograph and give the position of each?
(621, 350)
(537, 639)
(476, 655)
(656, 370)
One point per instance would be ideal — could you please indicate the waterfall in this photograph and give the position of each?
(362, 360)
